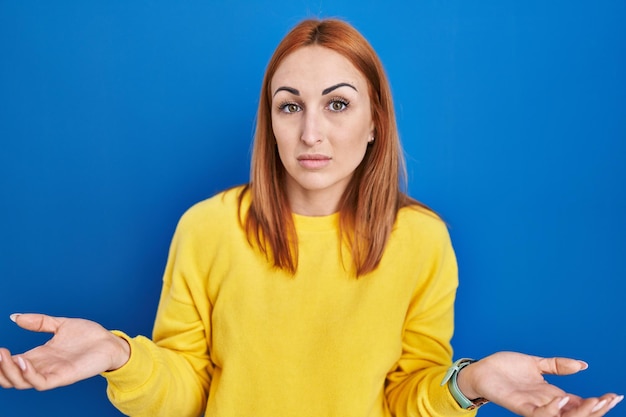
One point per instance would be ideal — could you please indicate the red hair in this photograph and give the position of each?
(370, 203)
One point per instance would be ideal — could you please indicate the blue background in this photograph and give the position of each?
(115, 116)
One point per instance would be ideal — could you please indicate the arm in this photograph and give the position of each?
(151, 381)
(171, 374)
(512, 380)
(413, 387)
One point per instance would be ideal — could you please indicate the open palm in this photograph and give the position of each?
(79, 349)
(516, 381)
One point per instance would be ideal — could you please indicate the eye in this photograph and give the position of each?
(289, 108)
(338, 105)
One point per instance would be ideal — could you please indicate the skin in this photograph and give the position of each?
(79, 349)
(321, 140)
(515, 381)
(322, 121)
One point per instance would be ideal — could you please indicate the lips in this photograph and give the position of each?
(313, 161)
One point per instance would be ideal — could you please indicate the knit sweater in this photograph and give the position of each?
(235, 336)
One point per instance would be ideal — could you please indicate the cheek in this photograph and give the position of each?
(355, 128)
(353, 137)
(285, 132)
(350, 152)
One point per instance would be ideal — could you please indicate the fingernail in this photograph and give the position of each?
(616, 401)
(13, 317)
(584, 365)
(21, 363)
(598, 406)
(564, 401)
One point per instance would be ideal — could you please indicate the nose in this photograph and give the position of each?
(311, 128)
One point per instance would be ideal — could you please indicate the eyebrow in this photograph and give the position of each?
(324, 92)
(288, 89)
(336, 86)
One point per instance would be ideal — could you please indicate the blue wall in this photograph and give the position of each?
(116, 116)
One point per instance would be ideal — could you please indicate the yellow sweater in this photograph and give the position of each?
(235, 337)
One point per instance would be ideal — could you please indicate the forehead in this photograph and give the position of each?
(316, 66)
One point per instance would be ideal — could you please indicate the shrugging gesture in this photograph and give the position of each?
(515, 381)
(318, 288)
(78, 350)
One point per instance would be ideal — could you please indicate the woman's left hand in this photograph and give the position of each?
(515, 381)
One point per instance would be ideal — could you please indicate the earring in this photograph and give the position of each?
(371, 140)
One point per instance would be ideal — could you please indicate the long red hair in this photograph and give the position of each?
(371, 201)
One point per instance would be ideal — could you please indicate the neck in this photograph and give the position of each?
(313, 204)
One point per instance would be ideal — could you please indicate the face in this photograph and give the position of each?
(322, 121)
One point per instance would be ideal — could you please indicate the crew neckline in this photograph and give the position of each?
(316, 223)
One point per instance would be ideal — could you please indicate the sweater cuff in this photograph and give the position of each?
(139, 368)
(452, 407)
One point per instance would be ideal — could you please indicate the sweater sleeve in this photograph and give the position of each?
(170, 374)
(413, 387)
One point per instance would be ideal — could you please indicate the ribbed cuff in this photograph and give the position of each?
(137, 371)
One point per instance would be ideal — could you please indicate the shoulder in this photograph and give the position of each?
(415, 219)
(421, 232)
(220, 210)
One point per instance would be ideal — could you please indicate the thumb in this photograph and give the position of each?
(561, 366)
(37, 322)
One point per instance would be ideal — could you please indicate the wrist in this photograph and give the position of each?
(465, 381)
(468, 399)
(120, 352)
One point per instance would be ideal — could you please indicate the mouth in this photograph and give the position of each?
(313, 161)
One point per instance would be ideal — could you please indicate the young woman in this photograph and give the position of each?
(320, 288)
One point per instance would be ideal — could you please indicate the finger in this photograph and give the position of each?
(605, 403)
(618, 399)
(561, 366)
(11, 369)
(31, 377)
(591, 407)
(37, 322)
(551, 409)
(4, 382)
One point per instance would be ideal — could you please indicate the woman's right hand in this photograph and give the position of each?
(78, 350)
